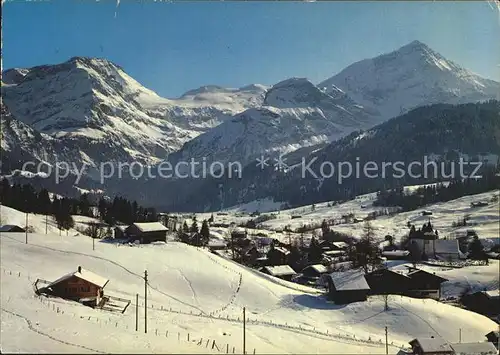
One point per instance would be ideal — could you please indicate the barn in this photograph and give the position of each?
(11, 228)
(82, 285)
(147, 232)
(348, 286)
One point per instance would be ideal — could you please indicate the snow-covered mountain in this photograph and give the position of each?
(295, 113)
(412, 76)
(93, 102)
(89, 110)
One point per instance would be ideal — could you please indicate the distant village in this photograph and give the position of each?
(348, 269)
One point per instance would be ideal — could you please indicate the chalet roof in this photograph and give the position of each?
(412, 272)
(398, 272)
(492, 294)
(353, 279)
(474, 348)
(333, 252)
(122, 228)
(432, 345)
(150, 227)
(280, 270)
(319, 268)
(340, 245)
(9, 227)
(446, 246)
(397, 253)
(83, 274)
(282, 250)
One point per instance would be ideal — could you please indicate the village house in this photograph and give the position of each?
(483, 302)
(339, 246)
(430, 346)
(385, 281)
(314, 271)
(438, 346)
(447, 249)
(424, 284)
(81, 285)
(278, 255)
(119, 232)
(147, 232)
(249, 255)
(396, 254)
(11, 228)
(216, 244)
(347, 286)
(494, 337)
(483, 348)
(284, 272)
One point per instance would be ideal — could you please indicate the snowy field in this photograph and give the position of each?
(484, 220)
(194, 292)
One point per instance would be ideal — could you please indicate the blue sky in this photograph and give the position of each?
(177, 46)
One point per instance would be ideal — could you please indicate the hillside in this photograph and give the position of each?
(203, 298)
(441, 133)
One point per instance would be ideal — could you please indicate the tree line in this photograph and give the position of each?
(439, 192)
(25, 198)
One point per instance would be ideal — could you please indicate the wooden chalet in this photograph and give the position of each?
(119, 232)
(278, 255)
(385, 281)
(11, 228)
(284, 272)
(347, 286)
(396, 254)
(147, 232)
(81, 285)
(424, 284)
(430, 346)
(494, 337)
(481, 348)
(438, 346)
(314, 271)
(483, 302)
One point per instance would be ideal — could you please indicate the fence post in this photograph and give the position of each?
(188, 336)
(227, 348)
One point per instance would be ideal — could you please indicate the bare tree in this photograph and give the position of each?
(95, 230)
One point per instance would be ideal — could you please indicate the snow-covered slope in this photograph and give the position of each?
(204, 298)
(412, 76)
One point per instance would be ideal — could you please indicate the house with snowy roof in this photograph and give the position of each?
(347, 286)
(81, 285)
(147, 232)
(284, 272)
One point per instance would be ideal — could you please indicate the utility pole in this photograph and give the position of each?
(386, 342)
(145, 301)
(459, 335)
(93, 243)
(136, 312)
(46, 222)
(244, 330)
(26, 230)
